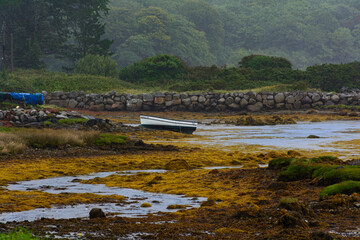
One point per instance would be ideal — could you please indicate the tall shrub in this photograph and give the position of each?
(258, 62)
(154, 69)
(96, 65)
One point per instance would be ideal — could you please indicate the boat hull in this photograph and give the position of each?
(168, 124)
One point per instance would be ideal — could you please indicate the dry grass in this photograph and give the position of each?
(17, 141)
(11, 143)
(57, 138)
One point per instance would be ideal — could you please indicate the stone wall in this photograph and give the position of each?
(197, 102)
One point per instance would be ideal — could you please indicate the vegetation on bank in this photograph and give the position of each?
(326, 171)
(170, 73)
(21, 233)
(16, 140)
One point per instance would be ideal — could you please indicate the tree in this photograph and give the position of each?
(83, 18)
(97, 65)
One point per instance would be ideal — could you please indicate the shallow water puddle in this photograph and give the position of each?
(159, 202)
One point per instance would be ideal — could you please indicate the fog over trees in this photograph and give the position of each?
(200, 32)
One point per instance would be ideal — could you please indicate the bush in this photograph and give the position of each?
(96, 65)
(160, 67)
(332, 77)
(347, 187)
(260, 62)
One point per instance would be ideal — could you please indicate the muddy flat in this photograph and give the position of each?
(213, 184)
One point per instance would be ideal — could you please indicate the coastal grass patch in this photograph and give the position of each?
(72, 121)
(49, 138)
(11, 143)
(346, 187)
(108, 139)
(20, 233)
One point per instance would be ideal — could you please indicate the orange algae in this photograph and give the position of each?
(13, 201)
(193, 183)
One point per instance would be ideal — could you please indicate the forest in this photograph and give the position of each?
(67, 35)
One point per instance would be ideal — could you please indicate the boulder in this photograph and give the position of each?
(279, 98)
(255, 107)
(96, 213)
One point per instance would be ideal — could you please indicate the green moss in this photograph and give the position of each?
(108, 139)
(347, 187)
(289, 203)
(48, 123)
(279, 163)
(296, 172)
(341, 174)
(71, 121)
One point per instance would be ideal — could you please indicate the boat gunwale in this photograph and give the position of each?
(168, 120)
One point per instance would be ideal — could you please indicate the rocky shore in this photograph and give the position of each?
(201, 102)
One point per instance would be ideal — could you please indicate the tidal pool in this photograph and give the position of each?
(131, 208)
(293, 136)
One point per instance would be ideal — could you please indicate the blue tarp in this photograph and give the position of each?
(32, 99)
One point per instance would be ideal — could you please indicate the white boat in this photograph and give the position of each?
(168, 124)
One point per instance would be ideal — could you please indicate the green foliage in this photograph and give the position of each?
(68, 28)
(347, 187)
(107, 139)
(153, 69)
(258, 62)
(96, 65)
(331, 77)
(20, 233)
(71, 121)
(37, 81)
(279, 163)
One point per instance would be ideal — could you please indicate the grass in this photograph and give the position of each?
(8, 105)
(16, 141)
(72, 121)
(12, 142)
(37, 80)
(21, 233)
(108, 139)
(347, 187)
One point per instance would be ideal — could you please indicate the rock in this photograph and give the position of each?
(72, 103)
(279, 98)
(289, 220)
(290, 99)
(97, 107)
(243, 103)
(96, 213)
(256, 107)
(335, 98)
(148, 97)
(134, 105)
(177, 164)
(312, 136)
(321, 236)
(159, 100)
